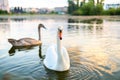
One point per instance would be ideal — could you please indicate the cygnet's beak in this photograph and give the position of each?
(44, 27)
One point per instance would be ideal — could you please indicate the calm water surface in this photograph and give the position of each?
(93, 46)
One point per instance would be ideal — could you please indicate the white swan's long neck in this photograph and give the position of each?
(59, 43)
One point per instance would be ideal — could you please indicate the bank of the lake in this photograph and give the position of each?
(57, 16)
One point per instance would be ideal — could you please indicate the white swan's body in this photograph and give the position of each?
(57, 57)
(55, 62)
(27, 41)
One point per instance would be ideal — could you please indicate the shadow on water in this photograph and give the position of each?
(13, 49)
(9, 76)
(90, 21)
(73, 27)
(40, 52)
(90, 28)
(93, 25)
(94, 20)
(4, 19)
(18, 19)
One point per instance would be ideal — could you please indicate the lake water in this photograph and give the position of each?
(93, 46)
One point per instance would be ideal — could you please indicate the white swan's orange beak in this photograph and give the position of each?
(60, 34)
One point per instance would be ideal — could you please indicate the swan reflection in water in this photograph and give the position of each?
(56, 75)
(13, 50)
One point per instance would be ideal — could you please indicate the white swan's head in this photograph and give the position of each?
(60, 32)
(41, 25)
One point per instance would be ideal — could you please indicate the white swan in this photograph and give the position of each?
(57, 57)
(27, 41)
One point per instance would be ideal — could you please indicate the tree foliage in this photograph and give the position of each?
(112, 11)
(87, 8)
(72, 6)
(90, 8)
(3, 12)
(18, 10)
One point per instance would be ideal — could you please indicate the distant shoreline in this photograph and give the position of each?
(58, 16)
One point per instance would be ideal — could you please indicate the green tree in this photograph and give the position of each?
(78, 4)
(72, 6)
(3, 12)
(112, 11)
(118, 11)
(87, 8)
(101, 1)
(77, 12)
(98, 9)
(97, 1)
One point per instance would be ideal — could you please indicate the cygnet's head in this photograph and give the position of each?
(41, 25)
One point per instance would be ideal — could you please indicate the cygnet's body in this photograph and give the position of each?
(27, 41)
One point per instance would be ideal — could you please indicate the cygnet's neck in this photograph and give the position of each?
(39, 33)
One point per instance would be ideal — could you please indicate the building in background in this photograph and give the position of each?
(4, 5)
(111, 4)
(44, 11)
(61, 10)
